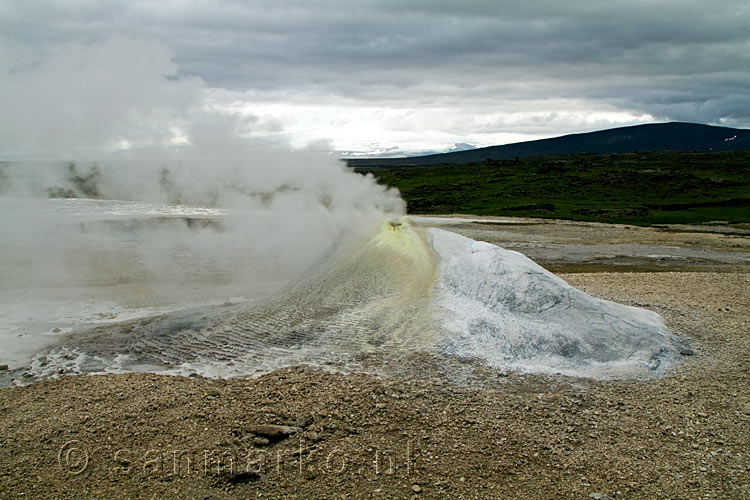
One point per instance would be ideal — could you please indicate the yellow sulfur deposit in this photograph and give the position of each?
(402, 237)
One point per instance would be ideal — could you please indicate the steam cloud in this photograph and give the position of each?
(117, 121)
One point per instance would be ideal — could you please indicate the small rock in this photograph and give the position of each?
(274, 431)
(3, 368)
(239, 477)
(255, 440)
(312, 436)
(261, 441)
(687, 351)
(416, 488)
(599, 496)
(303, 421)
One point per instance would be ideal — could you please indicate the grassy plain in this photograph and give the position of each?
(632, 188)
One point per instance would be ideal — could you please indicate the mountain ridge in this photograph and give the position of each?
(650, 137)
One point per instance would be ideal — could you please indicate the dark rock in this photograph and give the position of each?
(239, 477)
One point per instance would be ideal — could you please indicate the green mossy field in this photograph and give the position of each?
(632, 188)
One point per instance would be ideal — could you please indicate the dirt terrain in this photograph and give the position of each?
(573, 246)
(446, 428)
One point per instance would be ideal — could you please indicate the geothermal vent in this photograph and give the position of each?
(404, 291)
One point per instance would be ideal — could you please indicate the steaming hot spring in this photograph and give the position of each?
(372, 304)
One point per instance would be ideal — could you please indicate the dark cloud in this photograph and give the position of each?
(686, 59)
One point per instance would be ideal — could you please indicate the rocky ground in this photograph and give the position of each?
(425, 435)
(574, 246)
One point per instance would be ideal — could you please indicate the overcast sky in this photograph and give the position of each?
(376, 75)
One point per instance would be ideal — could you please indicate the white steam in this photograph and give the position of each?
(117, 121)
(86, 99)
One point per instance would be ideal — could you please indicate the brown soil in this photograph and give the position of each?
(686, 435)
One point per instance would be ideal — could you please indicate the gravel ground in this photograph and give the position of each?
(686, 435)
(573, 246)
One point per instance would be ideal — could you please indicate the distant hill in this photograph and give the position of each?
(653, 137)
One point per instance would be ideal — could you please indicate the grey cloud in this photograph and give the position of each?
(635, 54)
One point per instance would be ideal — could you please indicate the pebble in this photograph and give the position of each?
(303, 421)
(261, 441)
(312, 436)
